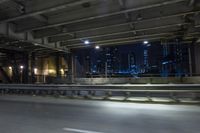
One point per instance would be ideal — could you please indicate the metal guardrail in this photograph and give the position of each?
(172, 91)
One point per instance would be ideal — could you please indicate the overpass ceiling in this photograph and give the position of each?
(104, 22)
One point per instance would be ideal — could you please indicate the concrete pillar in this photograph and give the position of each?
(197, 59)
(190, 60)
(33, 78)
(70, 73)
(25, 70)
(15, 69)
(73, 74)
(57, 60)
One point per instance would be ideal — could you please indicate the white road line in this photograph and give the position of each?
(79, 130)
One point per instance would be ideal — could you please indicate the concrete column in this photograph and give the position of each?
(15, 69)
(197, 58)
(190, 60)
(57, 60)
(33, 78)
(70, 73)
(25, 70)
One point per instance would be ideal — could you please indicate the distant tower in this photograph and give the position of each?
(115, 60)
(178, 53)
(166, 52)
(87, 64)
(132, 62)
(146, 59)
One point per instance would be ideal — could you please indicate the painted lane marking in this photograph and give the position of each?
(79, 130)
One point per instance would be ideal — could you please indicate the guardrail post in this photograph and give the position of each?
(88, 95)
(108, 94)
(72, 94)
(127, 95)
(173, 96)
(148, 94)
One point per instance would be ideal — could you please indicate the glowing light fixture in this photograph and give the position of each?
(86, 42)
(145, 42)
(97, 47)
(22, 67)
(35, 70)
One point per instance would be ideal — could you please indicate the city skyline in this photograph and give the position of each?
(133, 60)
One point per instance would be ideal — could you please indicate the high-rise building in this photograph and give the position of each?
(87, 64)
(132, 63)
(175, 60)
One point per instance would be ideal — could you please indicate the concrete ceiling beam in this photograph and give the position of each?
(40, 35)
(54, 8)
(125, 32)
(98, 16)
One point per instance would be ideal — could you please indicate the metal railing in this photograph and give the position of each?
(174, 92)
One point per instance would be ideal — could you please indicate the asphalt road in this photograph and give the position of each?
(49, 115)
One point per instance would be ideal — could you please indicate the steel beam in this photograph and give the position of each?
(2, 1)
(152, 38)
(118, 43)
(7, 31)
(100, 16)
(125, 32)
(41, 18)
(127, 16)
(124, 38)
(54, 8)
(37, 35)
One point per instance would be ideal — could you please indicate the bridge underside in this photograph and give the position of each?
(41, 37)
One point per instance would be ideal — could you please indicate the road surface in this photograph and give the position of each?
(24, 114)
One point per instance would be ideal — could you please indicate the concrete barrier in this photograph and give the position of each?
(143, 80)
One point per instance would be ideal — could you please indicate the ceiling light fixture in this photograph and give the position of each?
(97, 47)
(86, 42)
(145, 42)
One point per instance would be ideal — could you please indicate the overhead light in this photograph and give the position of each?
(10, 68)
(86, 42)
(145, 42)
(21, 67)
(97, 47)
(35, 70)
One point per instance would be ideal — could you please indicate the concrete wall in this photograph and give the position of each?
(145, 80)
